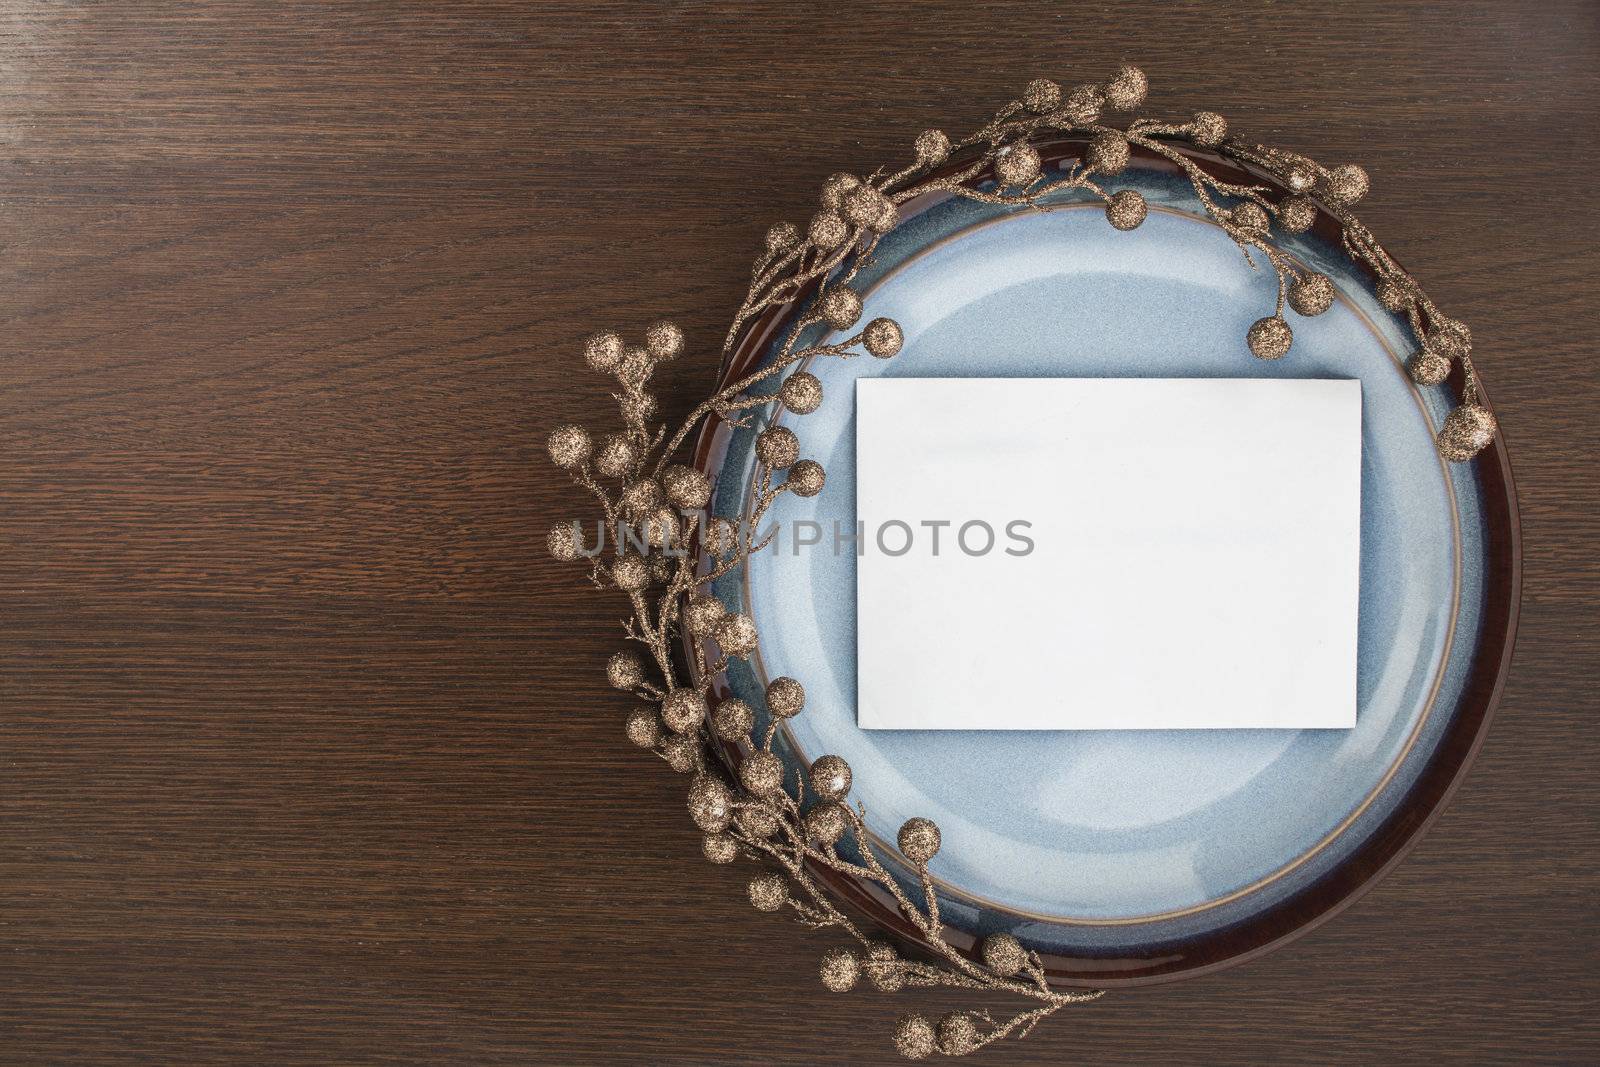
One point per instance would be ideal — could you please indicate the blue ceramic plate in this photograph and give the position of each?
(1130, 844)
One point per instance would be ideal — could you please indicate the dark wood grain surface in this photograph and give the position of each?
(305, 750)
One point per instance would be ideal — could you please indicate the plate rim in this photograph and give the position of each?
(1386, 846)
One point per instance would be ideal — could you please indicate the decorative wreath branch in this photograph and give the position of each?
(757, 812)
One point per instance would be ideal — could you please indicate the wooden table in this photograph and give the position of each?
(305, 750)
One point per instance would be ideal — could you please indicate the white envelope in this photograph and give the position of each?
(1107, 554)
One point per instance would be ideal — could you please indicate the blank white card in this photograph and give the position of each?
(1107, 554)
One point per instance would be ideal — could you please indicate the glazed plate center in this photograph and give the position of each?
(1118, 826)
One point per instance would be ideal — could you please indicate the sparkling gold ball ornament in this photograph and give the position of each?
(801, 393)
(737, 635)
(563, 542)
(1311, 293)
(661, 528)
(827, 230)
(625, 669)
(642, 727)
(1041, 96)
(1208, 129)
(1004, 955)
(841, 307)
(1250, 217)
(1108, 153)
(682, 753)
(683, 710)
(918, 840)
(768, 892)
(603, 351)
(782, 237)
(1269, 338)
(631, 573)
(836, 188)
(686, 487)
(806, 478)
(1127, 89)
(640, 499)
(635, 368)
(931, 147)
(1300, 178)
(720, 848)
(761, 773)
(1393, 297)
(827, 823)
(758, 821)
(1017, 164)
(569, 446)
(1467, 430)
(840, 970)
(1296, 214)
(883, 967)
(664, 341)
(958, 1034)
(616, 456)
(710, 804)
(786, 697)
(1427, 367)
(870, 209)
(702, 612)
(882, 338)
(914, 1037)
(777, 447)
(719, 536)
(733, 719)
(1345, 184)
(1082, 105)
(830, 777)
(1126, 209)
